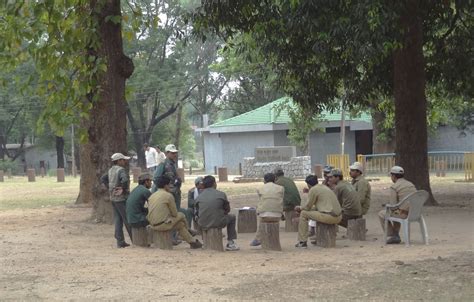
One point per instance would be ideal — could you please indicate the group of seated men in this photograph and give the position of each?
(336, 201)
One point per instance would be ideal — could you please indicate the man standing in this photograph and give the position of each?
(270, 206)
(119, 189)
(361, 185)
(163, 215)
(291, 197)
(400, 189)
(161, 155)
(213, 211)
(322, 207)
(136, 211)
(151, 157)
(347, 197)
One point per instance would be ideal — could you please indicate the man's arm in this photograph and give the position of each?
(172, 206)
(104, 179)
(146, 195)
(226, 205)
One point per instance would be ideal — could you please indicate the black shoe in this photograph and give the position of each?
(193, 232)
(394, 240)
(301, 244)
(196, 244)
(313, 242)
(122, 244)
(176, 242)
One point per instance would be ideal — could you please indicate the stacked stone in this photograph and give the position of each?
(298, 167)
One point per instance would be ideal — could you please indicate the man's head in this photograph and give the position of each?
(278, 172)
(311, 180)
(158, 148)
(119, 159)
(145, 180)
(163, 182)
(198, 182)
(146, 147)
(269, 177)
(335, 176)
(209, 182)
(396, 173)
(171, 152)
(327, 169)
(356, 169)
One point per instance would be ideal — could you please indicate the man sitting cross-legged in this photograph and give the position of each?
(163, 215)
(270, 206)
(322, 207)
(213, 209)
(347, 196)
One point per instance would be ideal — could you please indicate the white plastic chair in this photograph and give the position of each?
(416, 200)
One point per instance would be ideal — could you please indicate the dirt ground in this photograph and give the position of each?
(54, 253)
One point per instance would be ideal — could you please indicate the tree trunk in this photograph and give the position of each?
(106, 125)
(60, 151)
(381, 146)
(410, 101)
(178, 125)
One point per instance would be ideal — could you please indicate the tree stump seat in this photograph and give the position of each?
(247, 221)
(325, 235)
(162, 240)
(356, 229)
(270, 235)
(140, 236)
(212, 239)
(291, 223)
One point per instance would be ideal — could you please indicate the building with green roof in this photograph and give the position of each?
(227, 142)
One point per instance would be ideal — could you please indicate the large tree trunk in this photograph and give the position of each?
(410, 100)
(60, 151)
(106, 125)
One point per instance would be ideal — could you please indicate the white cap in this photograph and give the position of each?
(397, 170)
(117, 156)
(171, 148)
(357, 166)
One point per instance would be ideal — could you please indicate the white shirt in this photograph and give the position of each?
(161, 157)
(151, 158)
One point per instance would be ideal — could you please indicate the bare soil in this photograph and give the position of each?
(55, 253)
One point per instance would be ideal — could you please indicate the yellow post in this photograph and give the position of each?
(469, 166)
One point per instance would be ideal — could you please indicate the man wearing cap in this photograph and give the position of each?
(400, 189)
(169, 168)
(347, 197)
(136, 211)
(193, 193)
(291, 197)
(151, 157)
(327, 169)
(119, 188)
(163, 214)
(361, 185)
(322, 207)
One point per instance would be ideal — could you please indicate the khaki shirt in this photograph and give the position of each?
(348, 198)
(271, 198)
(363, 189)
(399, 190)
(322, 199)
(161, 206)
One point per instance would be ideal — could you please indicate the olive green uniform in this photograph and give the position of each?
(398, 191)
(362, 187)
(292, 197)
(349, 201)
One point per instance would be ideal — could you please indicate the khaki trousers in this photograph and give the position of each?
(258, 236)
(314, 215)
(393, 227)
(177, 223)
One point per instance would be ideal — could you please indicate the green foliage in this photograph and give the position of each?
(6, 165)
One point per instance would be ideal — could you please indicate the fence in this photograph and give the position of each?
(339, 161)
(439, 162)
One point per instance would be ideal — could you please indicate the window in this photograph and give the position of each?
(333, 130)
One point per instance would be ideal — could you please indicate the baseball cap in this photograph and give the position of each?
(171, 148)
(198, 180)
(145, 176)
(357, 166)
(335, 172)
(327, 169)
(397, 170)
(117, 156)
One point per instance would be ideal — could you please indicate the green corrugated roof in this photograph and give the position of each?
(267, 114)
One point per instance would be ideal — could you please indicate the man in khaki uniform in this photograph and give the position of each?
(163, 214)
(270, 206)
(347, 196)
(400, 189)
(322, 207)
(361, 185)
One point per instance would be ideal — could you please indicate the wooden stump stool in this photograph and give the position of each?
(291, 224)
(325, 235)
(222, 173)
(356, 229)
(213, 239)
(60, 175)
(270, 234)
(140, 236)
(31, 175)
(247, 221)
(162, 240)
